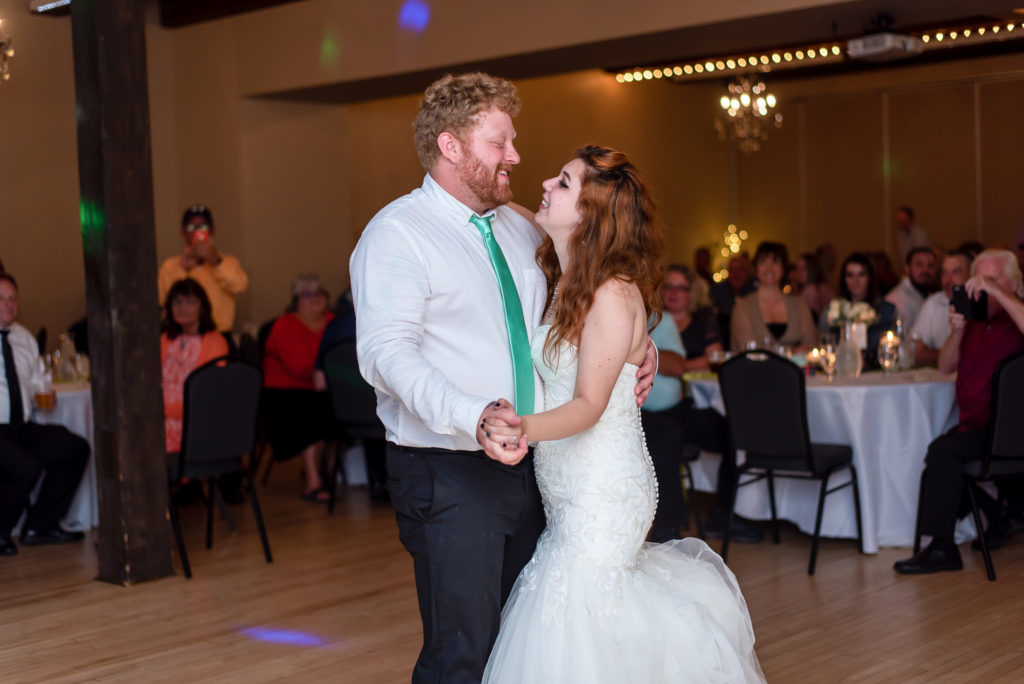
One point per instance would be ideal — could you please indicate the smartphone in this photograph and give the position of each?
(971, 309)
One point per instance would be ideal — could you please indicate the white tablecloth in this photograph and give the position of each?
(74, 411)
(888, 421)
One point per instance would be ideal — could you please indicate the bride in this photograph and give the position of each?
(595, 603)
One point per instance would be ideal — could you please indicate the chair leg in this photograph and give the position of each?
(775, 512)
(211, 493)
(223, 508)
(917, 523)
(981, 533)
(728, 522)
(817, 523)
(270, 466)
(176, 528)
(856, 508)
(693, 508)
(334, 477)
(259, 522)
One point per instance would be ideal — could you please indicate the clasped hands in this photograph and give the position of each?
(500, 433)
(500, 429)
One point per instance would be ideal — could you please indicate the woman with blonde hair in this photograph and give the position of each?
(687, 301)
(595, 603)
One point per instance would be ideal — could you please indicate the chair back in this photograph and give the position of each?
(765, 406)
(221, 404)
(354, 400)
(1006, 422)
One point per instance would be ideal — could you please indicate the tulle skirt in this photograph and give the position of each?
(677, 615)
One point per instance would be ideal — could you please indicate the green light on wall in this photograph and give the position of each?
(94, 223)
(330, 50)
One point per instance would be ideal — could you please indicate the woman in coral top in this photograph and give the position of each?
(189, 339)
(298, 416)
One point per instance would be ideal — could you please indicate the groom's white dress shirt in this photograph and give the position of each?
(430, 325)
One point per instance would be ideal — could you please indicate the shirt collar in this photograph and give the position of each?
(434, 189)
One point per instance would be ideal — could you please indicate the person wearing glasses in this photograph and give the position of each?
(221, 275)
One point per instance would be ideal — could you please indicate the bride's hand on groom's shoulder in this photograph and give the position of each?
(499, 431)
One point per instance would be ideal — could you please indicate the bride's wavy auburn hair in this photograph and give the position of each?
(617, 237)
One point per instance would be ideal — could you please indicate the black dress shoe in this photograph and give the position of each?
(930, 559)
(7, 547)
(55, 535)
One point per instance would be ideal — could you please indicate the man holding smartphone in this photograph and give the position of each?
(220, 274)
(931, 328)
(974, 349)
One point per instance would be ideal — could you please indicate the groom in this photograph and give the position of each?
(447, 293)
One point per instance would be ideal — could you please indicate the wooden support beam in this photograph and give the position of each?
(116, 181)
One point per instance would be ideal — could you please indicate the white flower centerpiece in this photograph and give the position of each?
(852, 319)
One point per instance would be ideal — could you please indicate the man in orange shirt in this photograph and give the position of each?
(221, 275)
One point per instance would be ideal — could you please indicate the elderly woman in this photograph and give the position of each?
(685, 296)
(769, 316)
(298, 416)
(189, 339)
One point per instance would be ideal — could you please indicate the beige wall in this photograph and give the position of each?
(292, 185)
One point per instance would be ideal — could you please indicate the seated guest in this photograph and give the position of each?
(702, 265)
(884, 274)
(298, 415)
(724, 294)
(857, 284)
(221, 275)
(342, 328)
(769, 315)
(932, 325)
(28, 450)
(189, 339)
(918, 283)
(809, 284)
(685, 295)
(669, 420)
(973, 349)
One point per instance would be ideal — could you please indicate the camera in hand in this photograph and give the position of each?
(971, 309)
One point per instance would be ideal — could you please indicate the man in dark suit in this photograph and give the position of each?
(28, 450)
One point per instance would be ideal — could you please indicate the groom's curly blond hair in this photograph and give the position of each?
(452, 103)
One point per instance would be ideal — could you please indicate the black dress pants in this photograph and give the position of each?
(944, 499)
(666, 431)
(470, 524)
(28, 451)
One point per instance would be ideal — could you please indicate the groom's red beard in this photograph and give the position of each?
(491, 190)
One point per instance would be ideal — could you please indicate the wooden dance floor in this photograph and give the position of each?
(338, 605)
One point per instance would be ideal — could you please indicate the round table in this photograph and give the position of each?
(74, 411)
(888, 420)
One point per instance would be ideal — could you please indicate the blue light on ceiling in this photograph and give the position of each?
(414, 15)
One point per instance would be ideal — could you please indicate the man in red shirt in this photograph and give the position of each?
(973, 349)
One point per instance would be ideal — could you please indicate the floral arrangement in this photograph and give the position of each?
(842, 311)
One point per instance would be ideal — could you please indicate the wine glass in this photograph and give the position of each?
(888, 354)
(827, 358)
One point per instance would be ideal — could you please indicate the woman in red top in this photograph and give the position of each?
(189, 340)
(298, 416)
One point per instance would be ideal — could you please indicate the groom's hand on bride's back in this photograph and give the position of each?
(498, 432)
(645, 375)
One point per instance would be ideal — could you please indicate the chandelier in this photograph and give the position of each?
(6, 52)
(747, 113)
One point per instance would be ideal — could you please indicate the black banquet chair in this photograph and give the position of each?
(219, 427)
(1004, 446)
(766, 410)
(354, 402)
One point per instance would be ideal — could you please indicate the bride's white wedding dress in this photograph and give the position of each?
(596, 603)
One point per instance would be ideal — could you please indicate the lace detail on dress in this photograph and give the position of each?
(595, 604)
(597, 485)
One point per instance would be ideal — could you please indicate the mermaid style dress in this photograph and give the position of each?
(596, 603)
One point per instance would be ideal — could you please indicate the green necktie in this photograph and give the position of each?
(522, 365)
